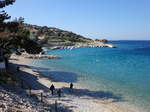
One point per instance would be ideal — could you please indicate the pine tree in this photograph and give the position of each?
(3, 15)
(12, 35)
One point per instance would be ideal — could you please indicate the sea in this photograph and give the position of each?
(122, 71)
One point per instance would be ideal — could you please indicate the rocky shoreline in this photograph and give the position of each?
(38, 56)
(79, 45)
(14, 99)
(42, 57)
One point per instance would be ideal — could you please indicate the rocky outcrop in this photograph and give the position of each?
(42, 57)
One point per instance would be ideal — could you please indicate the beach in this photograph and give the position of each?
(79, 99)
(74, 56)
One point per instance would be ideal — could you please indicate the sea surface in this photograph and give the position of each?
(123, 71)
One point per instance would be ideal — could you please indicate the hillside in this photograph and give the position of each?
(51, 35)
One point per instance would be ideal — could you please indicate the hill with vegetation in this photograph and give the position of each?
(51, 35)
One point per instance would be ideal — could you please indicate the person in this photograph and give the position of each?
(59, 93)
(18, 68)
(52, 88)
(71, 86)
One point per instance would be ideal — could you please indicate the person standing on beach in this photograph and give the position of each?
(71, 86)
(59, 93)
(52, 88)
(18, 68)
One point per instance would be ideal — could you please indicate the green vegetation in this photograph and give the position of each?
(48, 35)
(103, 40)
(18, 35)
(13, 35)
(3, 15)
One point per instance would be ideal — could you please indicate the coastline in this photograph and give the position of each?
(80, 100)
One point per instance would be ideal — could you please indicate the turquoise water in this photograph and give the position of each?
(124, 70)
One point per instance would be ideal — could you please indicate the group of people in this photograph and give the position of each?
(52, 88)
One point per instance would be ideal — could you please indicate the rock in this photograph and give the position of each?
(3, 106)
(13, 102)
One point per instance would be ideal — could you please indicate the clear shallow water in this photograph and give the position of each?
(124, 70)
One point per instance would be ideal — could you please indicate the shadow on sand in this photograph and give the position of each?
(58, 76)
(63, 108)
(26, 79)
(105, 95)
(65, 76)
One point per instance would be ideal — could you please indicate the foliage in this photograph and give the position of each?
(51, 33)
(13, 37)
(3, 15)
(103, 40)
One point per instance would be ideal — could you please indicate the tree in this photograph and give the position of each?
(3, 15)
(26, 43)
(103, 40)
(21, 20)
(13, 35)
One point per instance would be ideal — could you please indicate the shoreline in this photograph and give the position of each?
(80, 101)
(80, 45)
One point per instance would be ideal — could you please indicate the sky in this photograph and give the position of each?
(102, 19)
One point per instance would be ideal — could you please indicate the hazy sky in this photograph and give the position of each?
(110, 19)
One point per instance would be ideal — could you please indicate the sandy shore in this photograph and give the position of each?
(78, 100)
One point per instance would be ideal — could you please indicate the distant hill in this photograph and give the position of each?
(50, 35)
